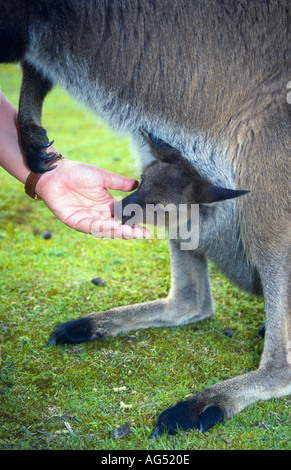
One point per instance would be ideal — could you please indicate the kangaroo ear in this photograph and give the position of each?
(212, 193)
(160, 149)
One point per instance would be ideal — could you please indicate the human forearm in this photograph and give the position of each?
(11, 156)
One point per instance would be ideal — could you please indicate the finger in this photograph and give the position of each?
(118, 182)
(140, 232)
(136, 232)
(101, 228)
(113, 229)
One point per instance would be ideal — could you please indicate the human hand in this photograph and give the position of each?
(77, 194)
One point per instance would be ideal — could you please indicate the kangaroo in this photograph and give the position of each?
(210, 80)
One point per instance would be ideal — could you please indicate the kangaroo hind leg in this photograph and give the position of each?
(272, 379)
(189, 300)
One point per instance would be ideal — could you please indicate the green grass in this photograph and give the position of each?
(72, 397)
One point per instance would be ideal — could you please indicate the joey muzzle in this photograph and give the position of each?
(130, 206)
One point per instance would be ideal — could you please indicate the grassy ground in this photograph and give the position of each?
(73, 397)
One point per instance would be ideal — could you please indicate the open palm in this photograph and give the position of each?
(78, 195)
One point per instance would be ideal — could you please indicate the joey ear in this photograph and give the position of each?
(212, 193)
(160, 149)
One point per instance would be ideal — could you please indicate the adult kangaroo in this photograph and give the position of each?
(209, 78)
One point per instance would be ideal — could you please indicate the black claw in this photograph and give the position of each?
(51, 156)
(35, 142)
(38, 166)
(51, 341)
(42, 145)
(37, 161)
(48, 144)
(156, 433)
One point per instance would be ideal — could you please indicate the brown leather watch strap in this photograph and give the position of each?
(30, 184)
(33, 178)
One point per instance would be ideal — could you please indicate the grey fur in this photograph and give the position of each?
(209, 78)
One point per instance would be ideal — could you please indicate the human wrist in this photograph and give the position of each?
(33, 185)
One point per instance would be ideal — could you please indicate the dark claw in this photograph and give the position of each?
(43, 145)
(35, 142)
(37, 160)
(156, 433)
(38, 165)
(48, 144)
(51, 156)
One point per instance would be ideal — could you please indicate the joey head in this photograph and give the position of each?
(166, 184)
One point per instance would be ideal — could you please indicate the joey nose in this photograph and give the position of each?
(128, 207)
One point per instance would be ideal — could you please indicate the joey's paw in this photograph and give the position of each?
(76, 331)
(185, 415)
(35, 143)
